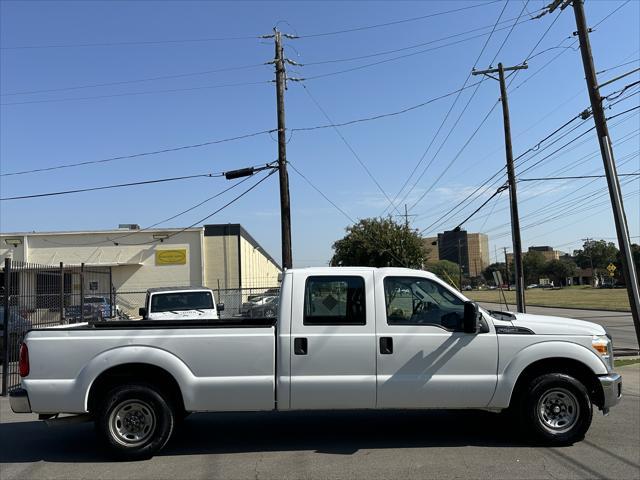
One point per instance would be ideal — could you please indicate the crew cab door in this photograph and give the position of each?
(333, 349)
(424, 358)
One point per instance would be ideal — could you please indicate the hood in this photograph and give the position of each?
(547, 325)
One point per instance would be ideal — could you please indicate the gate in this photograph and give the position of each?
(36, 296)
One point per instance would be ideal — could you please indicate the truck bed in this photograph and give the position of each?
(225, 365)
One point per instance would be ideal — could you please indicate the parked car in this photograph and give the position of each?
(270, 292)
(18, 327)
(265, 307)
(95, 308)
(180, 303)
(346, 338)
(533, 285)
(467, 288)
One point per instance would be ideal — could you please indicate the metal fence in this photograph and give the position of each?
(36, 296)
(257, 302)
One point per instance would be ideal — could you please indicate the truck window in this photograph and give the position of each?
(176, 301)
(420, 301)
(338, 300)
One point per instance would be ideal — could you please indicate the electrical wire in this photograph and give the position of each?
(109, 187)
(576, 177)
(148, 92)
(351, 149)
(395, 22)
(142, 154)
(138, 80)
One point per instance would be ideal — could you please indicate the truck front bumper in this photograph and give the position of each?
(611, 389)
(19, 401)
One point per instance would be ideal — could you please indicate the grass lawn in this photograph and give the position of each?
(623, 362)
(574, 297)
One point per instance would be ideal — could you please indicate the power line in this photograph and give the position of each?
(576, 177)
(148, 92)
(351, 149)
(446, 117)
(112, 239)
(142, 154)
(108, 187)
(395, 22)
(138, 80)
(235, 199)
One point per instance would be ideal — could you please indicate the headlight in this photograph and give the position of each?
(604, 346)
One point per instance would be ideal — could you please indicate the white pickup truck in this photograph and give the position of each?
(179, 303)
(345, 338)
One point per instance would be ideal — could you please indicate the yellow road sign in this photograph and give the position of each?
(612, 268)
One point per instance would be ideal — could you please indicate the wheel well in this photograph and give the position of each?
(575, 368)
(135, 373)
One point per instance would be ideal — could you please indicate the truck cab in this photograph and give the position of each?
(180, 303)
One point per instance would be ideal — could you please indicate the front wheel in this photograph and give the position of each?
(135, 421)
(556, 409)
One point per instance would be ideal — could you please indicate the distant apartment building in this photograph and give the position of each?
(469, 250)
(548, 253)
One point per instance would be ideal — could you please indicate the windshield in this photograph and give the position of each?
(176, 301)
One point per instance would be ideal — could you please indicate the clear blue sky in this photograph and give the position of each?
(49, 133)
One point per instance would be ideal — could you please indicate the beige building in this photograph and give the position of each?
(548, 253)
(217, 256)
(470, 250)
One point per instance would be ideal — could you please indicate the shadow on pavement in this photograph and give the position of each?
(323, 432)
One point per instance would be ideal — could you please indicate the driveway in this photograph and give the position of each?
(324, 445)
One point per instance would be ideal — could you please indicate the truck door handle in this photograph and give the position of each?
(386, 345)
(300, 346)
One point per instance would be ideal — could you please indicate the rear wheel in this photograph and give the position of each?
(556, 409)
(135, 421)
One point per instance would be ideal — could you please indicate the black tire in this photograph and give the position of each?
(556, 409)
(135, 421)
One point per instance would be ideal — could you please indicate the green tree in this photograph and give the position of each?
(599, 252)
(495, 267)
(379, 242)
(635, 254)
(559, 270)
(533, 264)
(446, 270)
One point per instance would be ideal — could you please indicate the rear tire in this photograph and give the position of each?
(556, 409)
(135, 421)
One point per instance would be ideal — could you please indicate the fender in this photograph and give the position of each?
(134, 354)
(540, 351)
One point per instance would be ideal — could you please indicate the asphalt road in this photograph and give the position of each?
(618, 324)
(366, 445)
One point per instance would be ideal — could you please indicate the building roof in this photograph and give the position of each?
(93, 232)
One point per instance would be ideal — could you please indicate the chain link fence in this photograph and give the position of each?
(37, 296)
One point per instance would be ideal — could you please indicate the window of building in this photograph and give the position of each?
(420, 301)
(338, 300)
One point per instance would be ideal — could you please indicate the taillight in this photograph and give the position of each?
(23, 363)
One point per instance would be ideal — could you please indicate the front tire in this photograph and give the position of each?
(556, 409)
(135, 421)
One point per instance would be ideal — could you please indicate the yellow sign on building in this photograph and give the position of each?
(171, 257)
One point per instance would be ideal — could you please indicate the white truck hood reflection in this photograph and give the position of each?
(548, 325)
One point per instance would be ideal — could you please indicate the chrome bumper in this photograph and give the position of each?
(611, 389)
(19, 401)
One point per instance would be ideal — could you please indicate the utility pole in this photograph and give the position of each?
(460, 264)
(506, 267)
(285, 205)
(513, 197)
(622, 229)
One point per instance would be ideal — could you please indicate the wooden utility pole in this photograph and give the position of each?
(622, 229)
(513, 197)
(285, 205)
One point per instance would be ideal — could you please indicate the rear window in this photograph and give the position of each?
(177, 301)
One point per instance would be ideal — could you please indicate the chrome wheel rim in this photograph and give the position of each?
(558, 410)
(132, 423)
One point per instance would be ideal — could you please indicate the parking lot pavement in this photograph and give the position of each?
(618, 324)
(334, 445)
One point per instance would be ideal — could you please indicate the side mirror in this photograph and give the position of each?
(220, 307)
(143, 312)
(471, 315)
